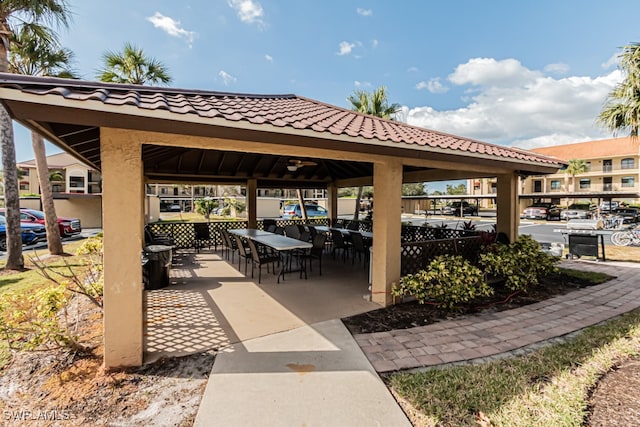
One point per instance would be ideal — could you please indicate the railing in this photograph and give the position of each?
(416, 256)
(184, 235)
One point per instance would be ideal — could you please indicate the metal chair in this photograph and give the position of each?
(243, 251)
(260, 258)
(339, 244)
(316, 251)
(202, 236)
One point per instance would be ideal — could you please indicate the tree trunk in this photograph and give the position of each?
(303, 207)
(15, 260)
(54, 242)
(356, 213)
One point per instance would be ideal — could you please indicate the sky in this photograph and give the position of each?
(515, 73)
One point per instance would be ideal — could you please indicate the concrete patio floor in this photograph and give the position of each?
(210, 304)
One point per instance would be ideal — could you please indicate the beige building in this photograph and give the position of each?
(66, 173)
(613, 174)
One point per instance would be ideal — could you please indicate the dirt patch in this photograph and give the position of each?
(614, 402)
(51, 388)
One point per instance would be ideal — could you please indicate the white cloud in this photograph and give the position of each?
(361, 84)
(558, 68)
(513, 105)
(227, 78)
(490, 72)
(364, 12)
(374, 43)
(412, 69)
(345, 48)
(433, 85)
(612, 61)
(171, 26)
(248, 11)
(268, 57)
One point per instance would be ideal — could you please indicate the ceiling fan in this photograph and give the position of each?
(295, 164)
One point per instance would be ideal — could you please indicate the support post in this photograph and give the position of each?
(252, 203)
(332, 203)
(123, 185)
(387, 185)
(508, 217)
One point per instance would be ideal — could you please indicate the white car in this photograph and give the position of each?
(577, 211)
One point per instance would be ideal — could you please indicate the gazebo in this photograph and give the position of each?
(139, 134)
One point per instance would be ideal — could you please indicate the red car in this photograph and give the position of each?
(68, 226)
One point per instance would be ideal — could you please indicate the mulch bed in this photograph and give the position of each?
(411, 314)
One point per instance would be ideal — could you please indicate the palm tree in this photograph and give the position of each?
(576, 167)
(36, 51)
(132, 66)
(375, 104)
(621, 112)
(14, 14)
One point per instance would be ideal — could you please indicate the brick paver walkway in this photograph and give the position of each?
(500, 334)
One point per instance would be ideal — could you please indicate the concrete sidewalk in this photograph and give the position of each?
(315, 375)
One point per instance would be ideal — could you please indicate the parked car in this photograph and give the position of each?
(68, 226)
(577, 211)
(629, 215)
(294, 211)
(31, 233)
(609, 206)
(454, 209)
(542, 210)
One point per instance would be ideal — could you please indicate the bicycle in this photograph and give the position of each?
(629, 237)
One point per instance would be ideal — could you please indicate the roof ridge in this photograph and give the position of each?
(56, 81)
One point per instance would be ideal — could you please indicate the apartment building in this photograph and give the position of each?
(613, 173)
(66, 174)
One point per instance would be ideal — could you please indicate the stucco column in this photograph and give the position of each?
(387, 212)
(252, 203)
(507, 205)
(123, 221)
(332, 202)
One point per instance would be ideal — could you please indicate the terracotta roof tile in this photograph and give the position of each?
(277, 110)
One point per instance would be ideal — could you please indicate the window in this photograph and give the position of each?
(585, 183)
(24, 186)
(555, 184)
(628, 181)
(607, 165)
(588, 166)
(627, 163)
(537, 186)
(76, 181)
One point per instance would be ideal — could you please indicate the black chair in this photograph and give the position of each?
(316, 251)
(339, 244)
(243, 251)
(202, 236)
(271, 228)
(260, 258)
(292, 231)
(279, 230)
(229, 243)
(359, 247)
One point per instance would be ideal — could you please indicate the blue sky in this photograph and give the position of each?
(521, 73)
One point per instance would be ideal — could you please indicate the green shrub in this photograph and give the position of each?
(447, 281)
(522, 263)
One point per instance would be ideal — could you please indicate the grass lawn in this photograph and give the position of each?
(548, 387)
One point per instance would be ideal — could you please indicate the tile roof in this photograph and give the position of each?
(281, 111)
(593, 149)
